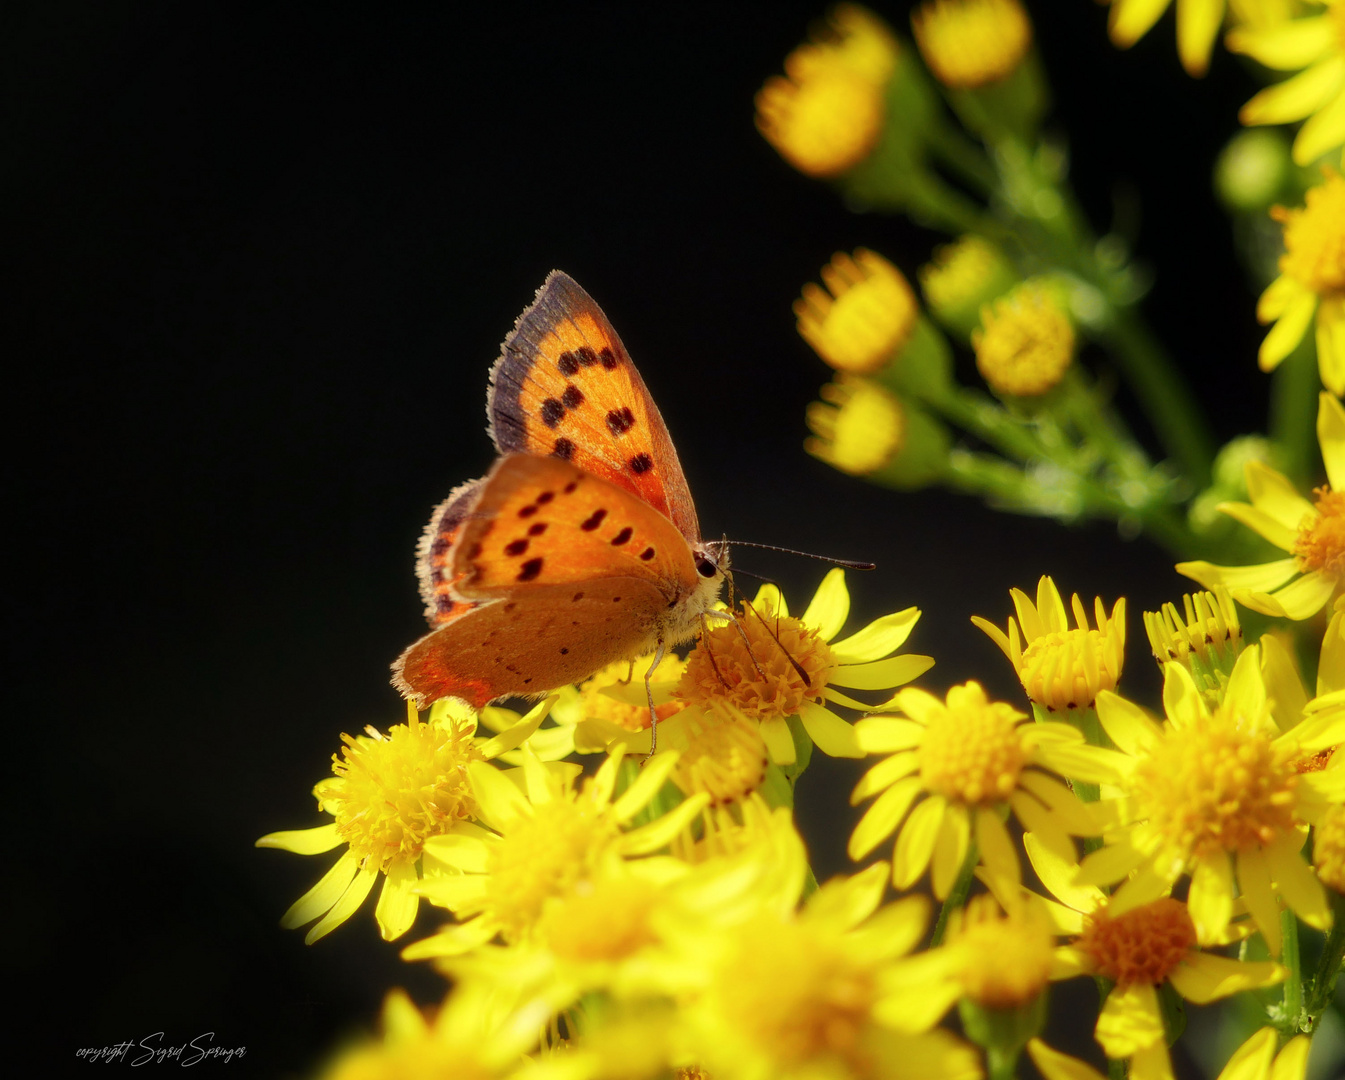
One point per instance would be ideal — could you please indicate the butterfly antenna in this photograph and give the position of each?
(849, 564)
(776, 637)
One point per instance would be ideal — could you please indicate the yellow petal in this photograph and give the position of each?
(1296, 881)
(883, 816)
(1291, 1063)
(778, 740)
(1323, 131)
(1252, 1060)
(1298, 96)
(833, 736)
(1298, 600)
(881, 674)
(880, 637)
(1286, 46)
(1130, 1020)
(1288, 330)
(1054, 1065)
(915, 843)
(303, 841)
(1058, 875)
(888, 734)
(997, 850)
(1126, 724)
(883, 775)
(1277, 297)
(652, 776)
(1205, 977)
(1210, 900)
(1068, 809)
(1260, 578)
(830, 606)
(1181, 700)
(1254, 878)
(660, 832)
(397, 904)
(1130, 20)
(1331, 437)
(1198, 22)
(324, 894)
(345, 907)
(950, 851)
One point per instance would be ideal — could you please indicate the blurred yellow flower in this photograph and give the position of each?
(1311, 285)
(826, 115)
(1314, 46)
(858, 426)
(1312, 532)
(969, 43)
(867, 318)
(1026, 341)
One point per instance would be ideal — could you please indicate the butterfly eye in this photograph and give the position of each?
(705, 567)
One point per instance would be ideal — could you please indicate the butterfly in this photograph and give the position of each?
(580, 547)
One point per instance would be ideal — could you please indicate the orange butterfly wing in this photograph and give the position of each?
(564, 386)
(555, 572)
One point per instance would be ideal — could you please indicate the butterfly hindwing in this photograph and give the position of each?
(539, 521)
(434, 555)
(564, 386)
(570, 632)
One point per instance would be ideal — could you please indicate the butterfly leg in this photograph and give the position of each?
(649, 695)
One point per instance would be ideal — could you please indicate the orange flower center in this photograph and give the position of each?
(748, 666)
(1314, 238)
(1321, 542)
(1141, 946)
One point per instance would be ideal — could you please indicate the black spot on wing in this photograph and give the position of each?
(530, 570)
(593, 520)
(620, 421)
(551, 412)
(564, 449)
(640, 463)
(623, 536)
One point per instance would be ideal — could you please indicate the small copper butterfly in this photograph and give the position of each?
(580, 547)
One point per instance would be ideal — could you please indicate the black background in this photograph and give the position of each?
(259, 260)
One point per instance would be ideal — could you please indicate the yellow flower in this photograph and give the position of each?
(1198, 22)
(1257, 1059)
(1061, 669)
(770, 667)
(1216, 794)
(1314, 46)
(548, 841)
(969, 43)
(1138, 949)
(1026, 343)
(1311, 284)
(867, 318)
(390, 795)
(1312, 532)
(860, 428)
(827, 114)
(1207, 640)
(772, 992)
(969, 759)
(471, 1037)
(961, 278)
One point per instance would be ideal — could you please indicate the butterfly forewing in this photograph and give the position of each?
(565, 387)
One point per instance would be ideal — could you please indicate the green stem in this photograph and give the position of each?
(1002, 1062)
(963, 157)
(957, 896)
(1293, 986)
(1293, 412)
(1328, 965)
(1172, 409)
